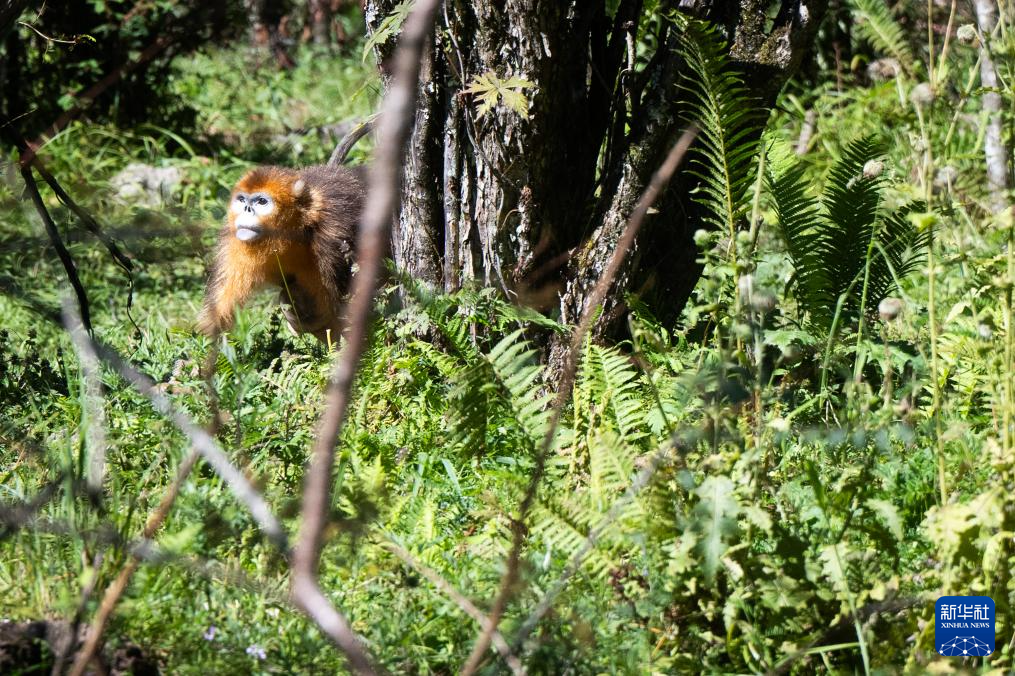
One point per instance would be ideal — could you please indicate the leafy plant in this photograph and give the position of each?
(389, 27)
(491, 90)
(730, 127)
(879, 27)
(848, 251)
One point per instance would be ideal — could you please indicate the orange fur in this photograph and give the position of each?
(304, 249)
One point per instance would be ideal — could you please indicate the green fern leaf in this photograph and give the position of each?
(730, 124)
(877, 25)
(830, 242)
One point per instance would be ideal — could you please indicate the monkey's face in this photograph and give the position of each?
(264, 205)
(250, 210)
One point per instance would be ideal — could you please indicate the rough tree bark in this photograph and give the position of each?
(995, 152)
(534, 206)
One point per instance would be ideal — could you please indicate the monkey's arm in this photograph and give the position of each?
(230, 285)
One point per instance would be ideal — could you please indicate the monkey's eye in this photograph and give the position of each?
(261, 201)
(241, 198)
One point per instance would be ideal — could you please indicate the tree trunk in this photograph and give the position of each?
(532, 201)
(995, 152)
(265, 19)
(10, 12)
(320, 22)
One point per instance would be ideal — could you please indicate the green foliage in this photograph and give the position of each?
(847, 252)
(879, 27)
(62, 49)
(730, 126)
(389, 27)
(491, 90)
(747, 515)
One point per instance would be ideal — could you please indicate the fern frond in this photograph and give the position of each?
(798, 219)
(623, 395)
(851, 201)
(729, 122)
(877, 25)
(830, 242)
(505, 381)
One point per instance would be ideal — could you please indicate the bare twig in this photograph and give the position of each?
(203, 443)
(659, 181)
(46, 37)
(394, 126)
(340, 152)
(145, 550)
(87, 589)
(643, 478)
(54, 237)
(85, 98)
(15, 516)
(115, 590)
(92, 401)
(89, 361)
(90, 224)
(461, 601)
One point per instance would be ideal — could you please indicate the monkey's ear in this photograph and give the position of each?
(298, 187)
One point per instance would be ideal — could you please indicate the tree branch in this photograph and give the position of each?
(461, 601)
(382, 197)
(54, 237)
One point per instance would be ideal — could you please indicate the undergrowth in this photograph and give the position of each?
(819, 464)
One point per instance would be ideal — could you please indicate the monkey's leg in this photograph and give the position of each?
(299, 307)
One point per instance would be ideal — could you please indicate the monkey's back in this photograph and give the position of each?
(337, 195)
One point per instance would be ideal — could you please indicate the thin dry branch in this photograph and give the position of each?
(54, 238)
(89, 360)
(107, 535)
(91, 224)
(203, 443)
(114, 591)
(17, 515)
(660, 179)
(393, 130)
(461, 601)
(85, 99)
(93, 403)
(641, 480)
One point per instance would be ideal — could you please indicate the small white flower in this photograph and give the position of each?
(966, 34)
(883, 69)
(257, 652)
(889, 309)
(873, 169)
(922, 94)
(779, 424)
(946, 176)
(209, 634)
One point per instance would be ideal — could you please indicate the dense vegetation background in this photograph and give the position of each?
(782, 479)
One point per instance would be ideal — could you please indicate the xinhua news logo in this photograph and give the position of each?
(964, 626)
